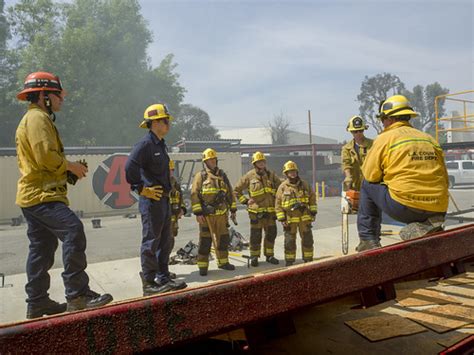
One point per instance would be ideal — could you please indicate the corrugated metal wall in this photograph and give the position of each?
(82, 196)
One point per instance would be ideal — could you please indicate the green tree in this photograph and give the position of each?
(104, 45)
(9, 108)
(192, 123)
(4, 30)
(99, 50)
(164, 84)
(422, 99)
(31, 20)
(373, 90)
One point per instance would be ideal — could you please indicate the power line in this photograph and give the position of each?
(291, 124)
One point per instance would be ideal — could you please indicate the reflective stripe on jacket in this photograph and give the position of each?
(295, 202)
(262, 188)
(411, 164)
(206, 190)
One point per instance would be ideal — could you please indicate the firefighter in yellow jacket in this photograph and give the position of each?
(354, 153)
(42, 197)
(404, 176)
(178, 208)
(212, 199)
(261, 185)
(296, 209)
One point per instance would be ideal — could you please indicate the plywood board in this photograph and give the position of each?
(453, 339)
(466, 278)
(423, 297)
(384, 327)
(444, 318)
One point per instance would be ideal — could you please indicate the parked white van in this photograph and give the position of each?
(460, 172)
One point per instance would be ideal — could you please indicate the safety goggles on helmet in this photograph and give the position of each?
(40, 81)
(396, 105)
(385, 106)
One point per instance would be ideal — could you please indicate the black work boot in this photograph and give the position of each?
(88, 300)
(46, 307)
(171, 275)
(171, 285)
(254, 261)
(368, 245)
(272, 260)
(149, 287)
(289, 263)
(227, 266)
(202, 272)
(154, 287)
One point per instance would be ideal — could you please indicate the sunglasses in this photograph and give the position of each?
(57, 94)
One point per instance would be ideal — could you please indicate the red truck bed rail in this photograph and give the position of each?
(188, 315)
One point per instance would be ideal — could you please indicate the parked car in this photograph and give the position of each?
(460, 172)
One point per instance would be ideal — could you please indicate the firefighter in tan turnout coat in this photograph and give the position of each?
(261, 185)
(178, 208)
(212, 199)
(296, 208)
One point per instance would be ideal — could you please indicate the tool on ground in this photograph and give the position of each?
(186, 255)
(237, 241)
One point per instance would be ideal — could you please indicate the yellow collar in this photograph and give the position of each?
(397, 125)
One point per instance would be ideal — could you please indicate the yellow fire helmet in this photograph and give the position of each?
(397, 105)
(258, 156)
(289, 165)
(171, 164)
(155, 112)
(209, 153)
(356, 123)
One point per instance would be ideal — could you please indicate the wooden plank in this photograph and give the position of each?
(444, 318)
(384, 327)
(423, 297)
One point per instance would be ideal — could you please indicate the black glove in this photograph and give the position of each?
(72, 178)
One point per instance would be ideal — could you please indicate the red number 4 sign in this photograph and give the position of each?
(110, 185)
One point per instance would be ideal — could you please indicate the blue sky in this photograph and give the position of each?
(245, 61)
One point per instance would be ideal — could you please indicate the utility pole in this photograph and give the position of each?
(313, 153)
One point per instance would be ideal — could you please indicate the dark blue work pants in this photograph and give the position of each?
(48, 222)
(375, 198)
(156, 238)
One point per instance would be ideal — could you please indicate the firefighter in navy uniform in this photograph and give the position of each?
(147, 171)
(178, 208)
(42, 196)
(212, 199)
(353, 153)
(296, 209)
(261, 185)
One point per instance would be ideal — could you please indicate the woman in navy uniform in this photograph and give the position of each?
(147, 171)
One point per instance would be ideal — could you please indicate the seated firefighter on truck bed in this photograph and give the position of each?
(405, 177)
